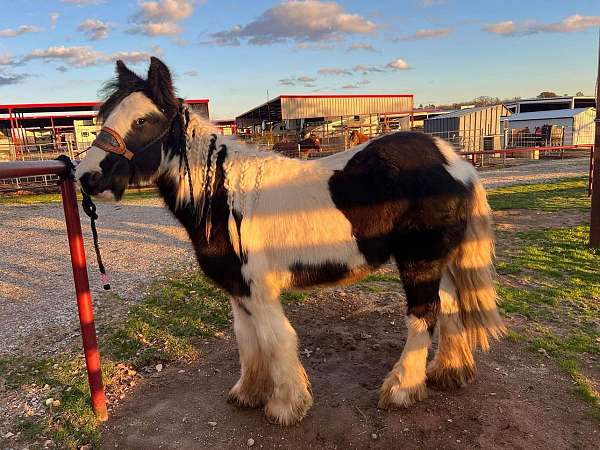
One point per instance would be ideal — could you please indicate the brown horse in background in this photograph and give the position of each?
(356, 138)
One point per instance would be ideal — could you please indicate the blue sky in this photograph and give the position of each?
(234, 51)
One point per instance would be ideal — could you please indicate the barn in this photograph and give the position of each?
(470, 129)
(324, 114)
(550, 128)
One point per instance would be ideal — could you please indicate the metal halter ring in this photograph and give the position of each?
(111, 141)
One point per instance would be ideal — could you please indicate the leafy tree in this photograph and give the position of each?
(547, 94)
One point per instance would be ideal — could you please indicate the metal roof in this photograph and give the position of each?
(550, 114)
(326, 105)
(462, 112)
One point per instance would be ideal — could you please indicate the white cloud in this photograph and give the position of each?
(398, 64)
(191, 73)
(570, 24)
(157, 29)
(53, 19)
(505, 28)
(356, 85)
(6, 60)
(84, 56)
(12, 32)
(160, 18)
(303, 80)
(364, 68)
(8, 79)
(358, 46)
(298, 21)
(334, 71)
(95, 29)
(427, 34)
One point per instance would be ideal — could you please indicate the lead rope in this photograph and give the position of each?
(90, 210)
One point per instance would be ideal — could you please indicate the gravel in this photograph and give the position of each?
(140, 242)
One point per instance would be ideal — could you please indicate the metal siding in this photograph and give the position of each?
(298, 108)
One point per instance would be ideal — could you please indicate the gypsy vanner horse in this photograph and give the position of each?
(261, 223)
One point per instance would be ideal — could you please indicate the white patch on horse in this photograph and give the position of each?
(457, 167)
(405, 384)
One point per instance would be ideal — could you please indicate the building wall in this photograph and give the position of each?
(584, 127)
(469, 131)
(333, 106)
(566, 122)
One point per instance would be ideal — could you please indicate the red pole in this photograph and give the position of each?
(595, 213)
(84, 299)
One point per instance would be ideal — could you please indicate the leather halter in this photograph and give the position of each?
(119, 149)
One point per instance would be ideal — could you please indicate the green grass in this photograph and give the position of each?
(163, 328)
(558, 291)
(38, 199)
(568, 193)
(289, 297)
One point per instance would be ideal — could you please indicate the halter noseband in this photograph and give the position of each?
(113, 143)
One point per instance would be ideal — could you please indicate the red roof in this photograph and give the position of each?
(65, 106)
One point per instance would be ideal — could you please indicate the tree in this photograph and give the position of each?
(547, 94)
(579, 94)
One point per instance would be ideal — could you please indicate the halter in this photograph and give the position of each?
(111, 141)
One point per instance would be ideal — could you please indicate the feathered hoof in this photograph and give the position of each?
(393, 394)
(449, 377)
(289, 412)
(246, 398)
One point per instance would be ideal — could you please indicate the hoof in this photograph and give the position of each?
(246, 398)
(289, 412)
(449, 377)
(393, 394)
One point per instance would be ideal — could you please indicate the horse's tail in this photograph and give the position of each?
(473, 273)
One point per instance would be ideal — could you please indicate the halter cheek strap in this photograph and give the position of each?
(119, 149)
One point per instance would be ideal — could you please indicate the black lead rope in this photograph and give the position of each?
(90, 210)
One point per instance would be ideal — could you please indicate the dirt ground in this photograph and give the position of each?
(353, 337)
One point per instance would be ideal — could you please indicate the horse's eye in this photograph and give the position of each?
(140, 121)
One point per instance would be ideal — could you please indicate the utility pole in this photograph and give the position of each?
(595, 215)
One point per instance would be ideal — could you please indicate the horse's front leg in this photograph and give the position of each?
(255, 384)
(274, 369)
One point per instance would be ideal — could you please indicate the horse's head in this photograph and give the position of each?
(137, 119)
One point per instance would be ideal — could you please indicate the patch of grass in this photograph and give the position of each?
(289, 297)
(385, 277)
(163, 327)
(39, 199)
(558, 290)
(569, 193)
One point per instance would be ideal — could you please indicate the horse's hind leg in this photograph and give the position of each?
(405, 384)
(453, 365)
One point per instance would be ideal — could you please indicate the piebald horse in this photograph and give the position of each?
(261, 223)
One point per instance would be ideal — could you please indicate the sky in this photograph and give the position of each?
(240, 53)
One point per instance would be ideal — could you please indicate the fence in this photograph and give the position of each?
(513, 146)
(19, 169)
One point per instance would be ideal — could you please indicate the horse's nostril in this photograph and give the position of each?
(89, 182)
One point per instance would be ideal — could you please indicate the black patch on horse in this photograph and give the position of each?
(304, 275)
(217, 257)
(402, 202)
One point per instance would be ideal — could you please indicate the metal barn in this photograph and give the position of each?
(555, 127)
(471, 129)
(297, 112)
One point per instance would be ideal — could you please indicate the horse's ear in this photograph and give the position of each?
(125, 76)
(160, 84)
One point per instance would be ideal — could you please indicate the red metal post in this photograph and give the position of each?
(84, 299)
(595, 212)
